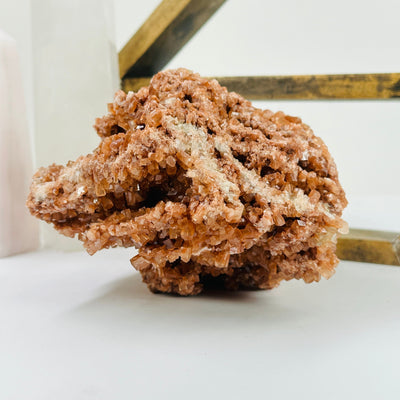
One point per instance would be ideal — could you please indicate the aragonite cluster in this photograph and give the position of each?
(207, 187)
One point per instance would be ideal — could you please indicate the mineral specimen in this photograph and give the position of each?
(206, 187)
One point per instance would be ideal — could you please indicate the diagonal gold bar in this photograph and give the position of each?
(134, 84)
(370, 246)
(303, 87)
(163, 34)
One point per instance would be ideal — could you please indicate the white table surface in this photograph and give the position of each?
(79, 327)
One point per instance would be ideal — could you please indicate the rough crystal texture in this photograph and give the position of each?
(207, 187)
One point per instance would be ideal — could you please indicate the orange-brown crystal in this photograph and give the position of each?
(204, 185)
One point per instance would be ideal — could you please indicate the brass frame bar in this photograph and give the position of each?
(163, 34)
(370, 246)
(303, 87)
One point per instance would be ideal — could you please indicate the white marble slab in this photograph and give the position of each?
(18, 230)
(75, 76)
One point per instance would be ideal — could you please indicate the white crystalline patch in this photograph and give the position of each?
(193, 141)
(170, 101)
(254, 184)
(221, 146)
(81, 190)
(71, 174)
(42, 190)
(304, 156)
(301, 202)
(344, 229)
(325, 210)
(202, 250)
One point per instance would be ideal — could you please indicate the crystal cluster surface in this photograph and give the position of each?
(207, 187)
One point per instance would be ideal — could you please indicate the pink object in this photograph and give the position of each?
(18, 230)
